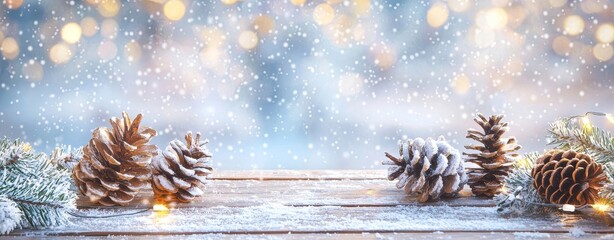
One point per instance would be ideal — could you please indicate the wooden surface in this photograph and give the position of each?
(347, 204)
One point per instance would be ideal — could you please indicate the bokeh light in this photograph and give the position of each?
(89, 26)
(605, 33)
(12, 4)
(323, 14)
(174, 10)
(437, 15)
(108, 8)
(459, 5)
(10, 48)
(248, 40)
(573, 25)
(603, 51)
(33, 71)
(71, 32)
(60, 53)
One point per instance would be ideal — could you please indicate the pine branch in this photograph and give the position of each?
(597, 142)
(38, 186)
(519, 195)
(10, 215)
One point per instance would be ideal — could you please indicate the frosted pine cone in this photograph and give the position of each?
(115, 164)
(495, 157)
(429, 168)
(180, 172)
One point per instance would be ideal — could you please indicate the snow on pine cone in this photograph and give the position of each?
(428, 168)
(180, 171)
(115, 164)
(567, 177)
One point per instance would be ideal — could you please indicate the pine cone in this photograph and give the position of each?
(180, 172)
(115, 164)
(431, 169)
(495, 158)
(567, 177)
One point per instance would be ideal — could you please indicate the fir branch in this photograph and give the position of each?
(39, 187)
(519, 196)
(10, 215)
(597, 142)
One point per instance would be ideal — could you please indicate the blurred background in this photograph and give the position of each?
(301, 84)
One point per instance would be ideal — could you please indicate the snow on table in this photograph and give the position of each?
(354, 204)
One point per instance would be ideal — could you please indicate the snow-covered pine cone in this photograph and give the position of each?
(495, 157)
(10, 215)
(429, 168)
(181, 170)
(115, 164)
(567, 177)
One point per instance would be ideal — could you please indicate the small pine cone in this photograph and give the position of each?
(495, 157)
(431, 169)
(567, 177)
(181, 171)
(115, 164)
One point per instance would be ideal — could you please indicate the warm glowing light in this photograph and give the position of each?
(561, 45)
(573, 25)
(264, 24)
(174, 10)
(610, 117)
(298, 2)
(323, 14)
(107, 50)
(362, 7)
(161, 208)
(385, 56)
(601, 207)
(568, 208)
(557, 3)
(10, 48)
(459, 5)
(586, 123)
(437, 15)
(603, 51)
(350, 84)
(60, 53)
(108, 8)
(12, 4)
(461, 84)
(248, 40)
(132, 51)
(496, 18)
(605, 33)
(89, 26)
(71, 32)
(229, 2)
(212, 37)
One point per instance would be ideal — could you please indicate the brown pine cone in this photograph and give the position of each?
(567, 177)
(115, 164)
(181, 171)
(495, 157)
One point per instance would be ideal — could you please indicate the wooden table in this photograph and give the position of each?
(339, 204)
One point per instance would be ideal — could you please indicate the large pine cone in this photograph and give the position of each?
(115, 164)
(180, 172)
(495, 157)
(431, 169)
(567, 177)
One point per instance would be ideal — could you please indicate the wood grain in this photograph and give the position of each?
(318, 204)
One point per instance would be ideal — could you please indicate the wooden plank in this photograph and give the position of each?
(279, 219)
(359, 236)
(289, 175)
(349, 193)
